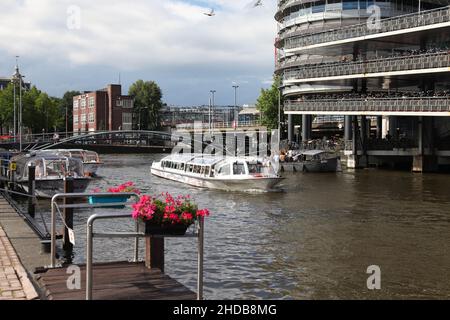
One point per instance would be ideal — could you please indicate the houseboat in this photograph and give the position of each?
(311, 161)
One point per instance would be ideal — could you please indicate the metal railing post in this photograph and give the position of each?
(89, 257)
(53, 235)
(200, 259)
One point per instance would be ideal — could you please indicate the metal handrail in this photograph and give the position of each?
(54, 205)
(89, 250)
(388, 64)
(407, 104)
(407, 21)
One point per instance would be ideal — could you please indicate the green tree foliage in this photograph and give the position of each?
(6, 108)
(66, 104)
(147, 103)
(267, 104)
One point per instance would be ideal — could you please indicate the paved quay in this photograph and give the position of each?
(14, 281)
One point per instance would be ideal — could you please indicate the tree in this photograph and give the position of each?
(147, 103)
(6, 107)
(267, 104)
(66, 104)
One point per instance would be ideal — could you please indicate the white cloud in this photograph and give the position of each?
(138, 33)
(141, 34)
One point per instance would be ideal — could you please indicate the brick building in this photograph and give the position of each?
(103, 110)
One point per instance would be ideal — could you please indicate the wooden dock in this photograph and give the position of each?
(115, 281)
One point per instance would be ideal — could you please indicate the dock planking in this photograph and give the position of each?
(115, 281)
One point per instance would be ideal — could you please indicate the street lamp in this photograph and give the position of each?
(236, 113)
(213, 92)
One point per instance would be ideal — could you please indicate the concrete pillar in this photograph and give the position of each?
(425, 160)
(393, 124)
(348, 128)
(290, 127)
(306, 127)
(379, 127)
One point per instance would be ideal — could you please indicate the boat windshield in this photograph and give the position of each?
(91, 156)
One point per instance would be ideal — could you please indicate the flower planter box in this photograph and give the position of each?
(109, 199)
(168, 229)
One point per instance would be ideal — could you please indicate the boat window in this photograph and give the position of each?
(238, 168)
(55, 167)
(182, 167)
(191, 167)
(254, 168)
(224, 170)
(207, 171)
(39, 171)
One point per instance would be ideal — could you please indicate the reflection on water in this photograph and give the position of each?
(313, 240)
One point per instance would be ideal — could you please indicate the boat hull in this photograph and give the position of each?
(244, 184)
(47, 188)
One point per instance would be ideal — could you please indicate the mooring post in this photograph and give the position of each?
(31, 191)
(68, 214)
(154, 253)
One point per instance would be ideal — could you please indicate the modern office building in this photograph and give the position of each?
(103, 110)
(387, 59)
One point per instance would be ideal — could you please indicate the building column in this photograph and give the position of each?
(393, 124)
(425, 160)
(379, 127)
(290, 127)
(348, 128)
(306, 127)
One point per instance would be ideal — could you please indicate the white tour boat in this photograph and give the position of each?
(50, 172)
(91, 160)
(218, 172)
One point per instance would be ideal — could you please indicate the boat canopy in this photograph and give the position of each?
(48, 166)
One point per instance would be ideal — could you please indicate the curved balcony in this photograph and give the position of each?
(359, 31)
(408, 105)
(360, 69)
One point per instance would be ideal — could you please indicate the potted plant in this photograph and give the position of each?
(117, 196)
(166, 215)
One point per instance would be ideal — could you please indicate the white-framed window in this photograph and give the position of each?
(83, 118)
(127, 103)
(91, 102)
(75, 105)
(91, 117)
(127, 121)
(83, 103)
(75, 119)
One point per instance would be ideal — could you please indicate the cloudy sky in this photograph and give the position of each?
(85, 44)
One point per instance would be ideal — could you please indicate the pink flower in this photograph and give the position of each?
(203, 213)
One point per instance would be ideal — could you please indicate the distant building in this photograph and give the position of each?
(249, 115)
(5, 81)
(172, 116)
(103, 110)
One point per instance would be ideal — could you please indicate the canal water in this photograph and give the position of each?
(313, 240)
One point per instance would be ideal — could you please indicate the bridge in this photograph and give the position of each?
(124, 141)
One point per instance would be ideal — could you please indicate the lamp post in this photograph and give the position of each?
(213, 92)
(236, 113)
